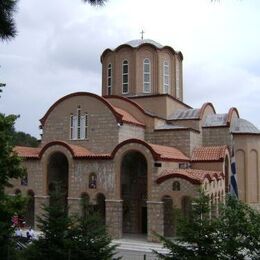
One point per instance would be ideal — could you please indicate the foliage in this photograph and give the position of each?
(196, 234)
(23, 139)
(54, 225)
(64, 237)
(239, 230)
(91, 240)
(7, 24)
(95, 2)
(10, 167)
(233, 235)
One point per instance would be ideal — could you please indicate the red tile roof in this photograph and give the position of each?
(27, 152)
(192, 175)
(209, 153)
(76, 151)
(167, 152)
(128, 118)
(159, 152)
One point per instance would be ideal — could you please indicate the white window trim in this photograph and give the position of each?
(149, 75)
(166, 86)
(109, 86)
(123, 74)
(79, 126)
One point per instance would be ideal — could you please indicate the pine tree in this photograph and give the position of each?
(10, 167)
(196, 234)
(54, 243)
(235, 234)
(91, 240)
(239, 230)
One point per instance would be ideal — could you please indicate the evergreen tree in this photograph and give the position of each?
(10, 167)
(235, 234)
(54, 243)
(238, 230)
(196, 234)
(7, 24)
(91, 240)
(64, 237)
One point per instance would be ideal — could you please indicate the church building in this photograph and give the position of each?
(139, 150)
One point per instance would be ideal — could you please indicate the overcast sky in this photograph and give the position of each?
(59, 43)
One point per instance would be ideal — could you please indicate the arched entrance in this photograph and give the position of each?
(29, 214)
(57, 177)
(169, 218)
(134, 192)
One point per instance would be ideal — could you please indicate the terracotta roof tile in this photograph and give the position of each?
(167, 152)
(127, 117)
(76, 151)
(27, 152)
(193, 175)
(209, 153)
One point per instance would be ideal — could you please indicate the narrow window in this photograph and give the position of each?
(147, 76)
(24, 180)
(177, 78)
(176, 186)
(78, 122)
(166, 81)
(86, 125)
(125, 77)
(92, 184)
(109, 79)
(79, 125)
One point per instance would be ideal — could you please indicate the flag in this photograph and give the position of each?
(233, 177)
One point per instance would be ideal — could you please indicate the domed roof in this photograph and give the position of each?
(240, 125)
(136, 43)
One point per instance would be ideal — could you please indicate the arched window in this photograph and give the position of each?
(166, 78)
(109, 79)
(125, 79)
(147, 76)
(92, 184)
(176, 186)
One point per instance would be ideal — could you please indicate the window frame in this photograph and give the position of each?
(125, 63)
(147, 62)
(79, 125)
(109, 79)
(166, 86)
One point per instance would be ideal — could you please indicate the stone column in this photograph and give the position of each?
(154, 220)
(39, 202)
(114, 218)
(74, 206)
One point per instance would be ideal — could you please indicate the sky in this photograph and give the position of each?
(59, 43)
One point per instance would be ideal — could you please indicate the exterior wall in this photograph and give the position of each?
(33, 168)
(161, 105)
(102, 130)
(211, 166)
(165, 189)
(247, 155)
(183, 140)
(135, 57)
(130, 131)
(104, 171)
(216, 136)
